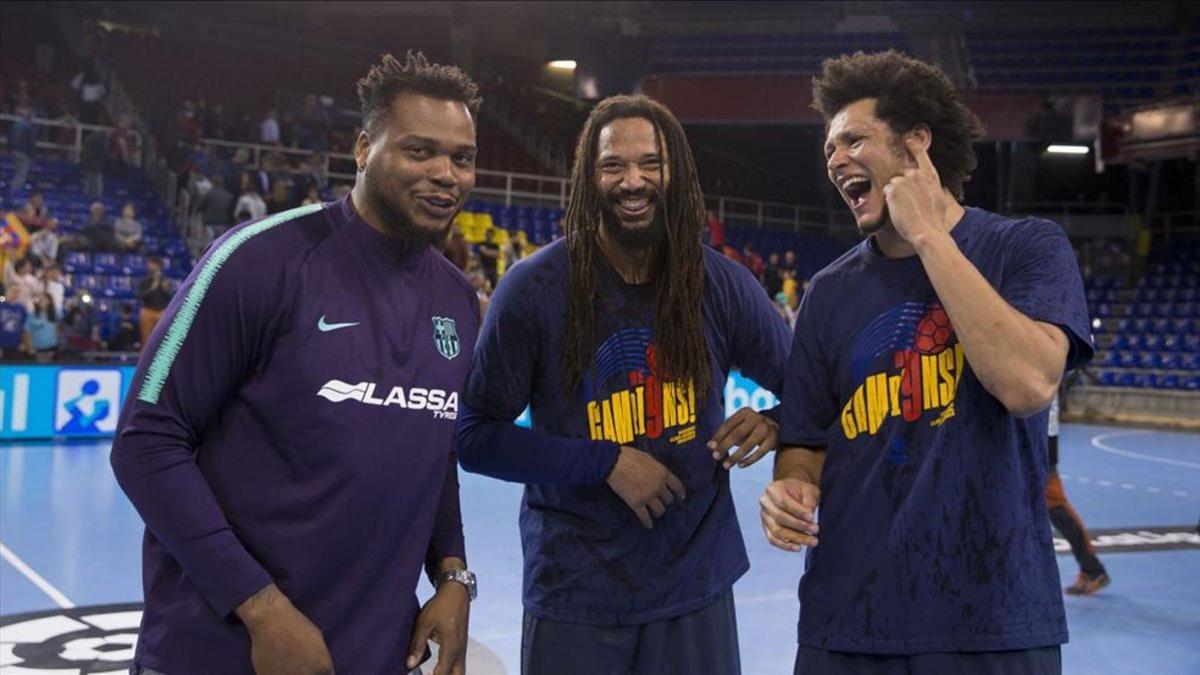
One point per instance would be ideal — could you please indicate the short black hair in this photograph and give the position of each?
(379, 87)
(907, 93)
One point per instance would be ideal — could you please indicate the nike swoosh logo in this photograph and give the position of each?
(326, 327)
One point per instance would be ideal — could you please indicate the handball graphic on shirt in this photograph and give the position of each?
(907, 362)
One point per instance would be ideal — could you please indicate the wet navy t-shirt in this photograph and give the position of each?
(934, 532)
(587, 557)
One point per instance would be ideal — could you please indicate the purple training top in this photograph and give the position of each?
(292, 420)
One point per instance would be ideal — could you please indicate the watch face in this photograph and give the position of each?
(464, 577)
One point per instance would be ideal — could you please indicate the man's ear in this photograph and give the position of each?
(921, 136)
(362, 149)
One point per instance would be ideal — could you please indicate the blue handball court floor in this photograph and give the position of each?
(70, 576)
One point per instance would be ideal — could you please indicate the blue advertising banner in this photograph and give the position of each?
(51, 401)
(67, 402)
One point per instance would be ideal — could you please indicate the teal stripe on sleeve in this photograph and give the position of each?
(181, 323)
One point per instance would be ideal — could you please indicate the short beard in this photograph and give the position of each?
(868, 230)
(397, 225)
(633, 239)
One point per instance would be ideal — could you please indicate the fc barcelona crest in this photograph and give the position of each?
(445, 337)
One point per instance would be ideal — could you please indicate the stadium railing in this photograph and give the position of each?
(514, 188)
(73, 149)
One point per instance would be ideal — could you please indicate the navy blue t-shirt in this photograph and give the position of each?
(934, 531)
(587, 557)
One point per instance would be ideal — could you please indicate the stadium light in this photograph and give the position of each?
(563, 64)
(1058, 149)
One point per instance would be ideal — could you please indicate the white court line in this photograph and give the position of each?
(1098, 443)
(37, 580)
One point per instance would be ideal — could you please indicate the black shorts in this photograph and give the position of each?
(1040, 661)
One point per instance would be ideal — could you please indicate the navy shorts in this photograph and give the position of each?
(703, 642)
(1040, 661)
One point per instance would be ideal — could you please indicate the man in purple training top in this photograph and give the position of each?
(288, 437)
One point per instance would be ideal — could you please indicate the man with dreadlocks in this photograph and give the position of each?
(915, 402)
(294, 485)
(620, 337)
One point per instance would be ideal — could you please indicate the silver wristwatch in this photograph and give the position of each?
(464, 577)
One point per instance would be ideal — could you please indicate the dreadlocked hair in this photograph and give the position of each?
(681, 345)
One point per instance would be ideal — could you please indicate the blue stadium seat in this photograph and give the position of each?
(105, 263)
(1170, 360)
(133, 265)
(1110, 358)
(77, 262)
(1127, 359)
(1108, 378)
(1169, 382)
(1149, 360)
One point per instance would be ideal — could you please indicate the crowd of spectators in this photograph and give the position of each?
(40, 320)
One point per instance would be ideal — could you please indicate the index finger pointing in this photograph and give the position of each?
(921, 155)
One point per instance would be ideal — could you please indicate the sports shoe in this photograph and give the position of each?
(1087, 584)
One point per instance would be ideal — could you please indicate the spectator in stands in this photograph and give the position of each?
(482, 290)
(123, 150)
(319, 166)
(40, 209)
(51, 279)
(155, 293)
(716, 231)
(28, 217)
(753, 261)
(91, 161)
(235, 168)
(216, 208)
(280, 198)
(489, 257)
(312, 125)
(92, 90)
(789, 264)
(269, 128)
(457, 248)
(41, 329)
(22, 285)
(312, 197)
(128, 230)
(304, 180)
(23, 143)
(732, 253)
(12, 325)
(98, 230)
(791, 286)
(250, 202)
(43, 244)
(214, 123)
(81, 330)
(125, 337)
(772, 279)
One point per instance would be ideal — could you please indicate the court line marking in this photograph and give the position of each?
(1127, 486)
(1098, 443)
(36, 579)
